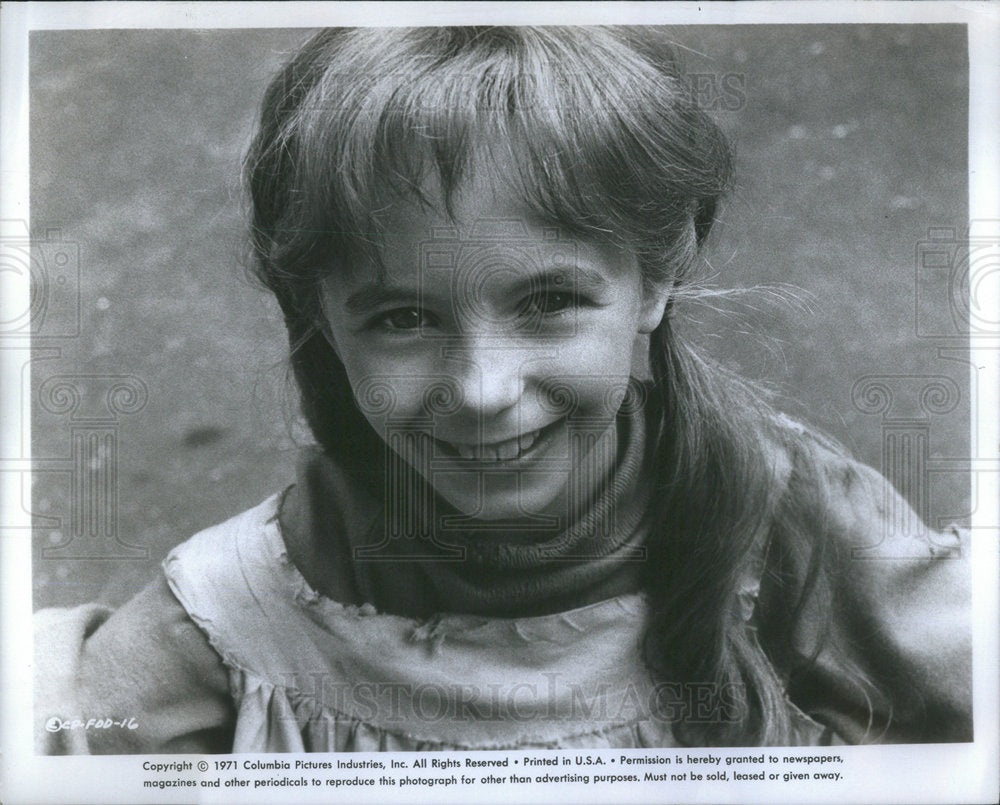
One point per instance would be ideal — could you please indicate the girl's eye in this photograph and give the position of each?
(404, 318)
(549, 302)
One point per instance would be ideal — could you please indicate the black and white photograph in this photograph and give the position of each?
(589, 402)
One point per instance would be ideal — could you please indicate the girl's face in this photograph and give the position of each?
(494, 354)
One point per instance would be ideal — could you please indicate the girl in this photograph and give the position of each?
(513, 532)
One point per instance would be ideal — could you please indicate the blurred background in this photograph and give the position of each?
(160, 396)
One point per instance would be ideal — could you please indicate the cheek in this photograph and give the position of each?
(390, 388)
(602, 345)
(591, 376)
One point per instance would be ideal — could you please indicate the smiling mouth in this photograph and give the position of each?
(508, 450)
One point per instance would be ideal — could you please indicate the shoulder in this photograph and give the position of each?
(218, 544)
(829, 496)
(145, 666)
(864, 608)
(219, 569)
(238, 584)
(163, 661)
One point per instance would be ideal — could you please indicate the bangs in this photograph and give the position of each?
(592, 127)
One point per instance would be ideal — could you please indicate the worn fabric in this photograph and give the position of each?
(311, 674)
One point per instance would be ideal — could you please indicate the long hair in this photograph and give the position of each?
(608, 145)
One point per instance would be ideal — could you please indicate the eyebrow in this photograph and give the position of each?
(375, 294)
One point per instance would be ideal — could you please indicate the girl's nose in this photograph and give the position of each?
(491, 378)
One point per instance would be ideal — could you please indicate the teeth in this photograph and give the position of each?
(506, 450)
(524, 442)
(501, 451)
(465, 450)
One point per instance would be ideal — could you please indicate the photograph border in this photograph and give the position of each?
(911, 773)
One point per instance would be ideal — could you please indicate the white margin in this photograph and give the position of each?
(26, 778)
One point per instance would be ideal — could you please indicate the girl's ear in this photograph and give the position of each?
(654, 302)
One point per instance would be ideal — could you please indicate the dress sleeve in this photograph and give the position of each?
(866, 612)
(145, 667)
